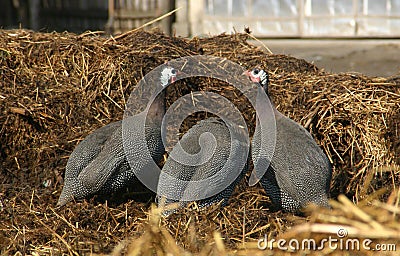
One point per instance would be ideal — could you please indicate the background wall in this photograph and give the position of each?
(296, 18)
(266, 18)
(273, 21)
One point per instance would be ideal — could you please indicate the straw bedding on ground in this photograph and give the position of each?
(58, 87)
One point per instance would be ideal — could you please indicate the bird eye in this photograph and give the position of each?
(173, 71)
(256, 71)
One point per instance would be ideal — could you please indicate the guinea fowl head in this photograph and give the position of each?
(259, 76)
(168, 76)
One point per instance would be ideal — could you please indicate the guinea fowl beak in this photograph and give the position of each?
(177, 73)
(252, 78)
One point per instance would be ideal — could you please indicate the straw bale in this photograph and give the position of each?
(56, 88)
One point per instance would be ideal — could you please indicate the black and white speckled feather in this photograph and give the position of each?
(300, 172)
(190, 143)
(98, 165)
(84, 153)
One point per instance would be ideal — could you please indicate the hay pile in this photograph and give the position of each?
(57, 88)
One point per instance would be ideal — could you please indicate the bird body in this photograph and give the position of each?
(99, 164)
(193, 143)
(84, 153)
(299, 172)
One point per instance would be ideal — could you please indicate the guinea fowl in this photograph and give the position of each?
(98, 165)
(299, 172)
(192, 143)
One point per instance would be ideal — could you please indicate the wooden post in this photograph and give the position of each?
(196, 13)
(182, 22)
(109, 28)
(34, 6)
(166, 23)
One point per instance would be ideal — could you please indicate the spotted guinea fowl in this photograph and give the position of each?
(299, 172)
(98, 165)
(192, 143)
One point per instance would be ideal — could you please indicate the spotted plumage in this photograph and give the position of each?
(190, 144)
(99, 165)
(299, 171)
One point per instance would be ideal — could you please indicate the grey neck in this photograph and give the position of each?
(157, 110)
